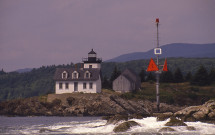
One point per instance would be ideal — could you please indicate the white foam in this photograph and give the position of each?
(147, 125)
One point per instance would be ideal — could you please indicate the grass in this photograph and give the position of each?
(174, 93)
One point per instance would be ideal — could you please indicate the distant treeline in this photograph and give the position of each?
(199, 71)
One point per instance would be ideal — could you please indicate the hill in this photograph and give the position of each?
(172, 50)
(40, 81)
(23, 70)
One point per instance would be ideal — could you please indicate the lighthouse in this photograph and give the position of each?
(92, 61)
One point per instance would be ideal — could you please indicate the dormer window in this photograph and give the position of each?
(64, 75)
(87, 74)
(75, 75)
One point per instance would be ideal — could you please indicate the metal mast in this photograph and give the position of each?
(157, 72)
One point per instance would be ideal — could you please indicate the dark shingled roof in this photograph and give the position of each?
(129, 73)
(95, 74)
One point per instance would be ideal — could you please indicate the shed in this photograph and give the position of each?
(126, 82)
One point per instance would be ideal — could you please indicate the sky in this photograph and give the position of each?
(35, 33)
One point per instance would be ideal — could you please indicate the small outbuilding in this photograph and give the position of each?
(128, 81)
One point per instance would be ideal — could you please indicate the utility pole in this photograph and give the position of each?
(155, 67)
(157, 52)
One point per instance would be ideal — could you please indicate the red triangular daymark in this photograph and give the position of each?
(165, 66)
(152, 66)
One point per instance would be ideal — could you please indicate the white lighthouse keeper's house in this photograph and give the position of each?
(86, 79)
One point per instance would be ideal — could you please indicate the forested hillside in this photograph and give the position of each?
(21, 85)
(185, 64)
(40, 81)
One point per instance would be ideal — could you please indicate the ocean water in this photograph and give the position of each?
(91, 126)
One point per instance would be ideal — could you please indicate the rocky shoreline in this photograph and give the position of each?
(113, 108)
(203, 113)
(79, 104)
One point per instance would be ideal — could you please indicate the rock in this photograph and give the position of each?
(125, 126)
(201, 114)
(189, 119)
(187, 111)
(42, 130)
(205, 112)
(136, 116)
(166, 129)
(116, 118)
(151, 133)
(163, 116)
(211, 115)
(210, 104)
(175, 122)
(191, 128)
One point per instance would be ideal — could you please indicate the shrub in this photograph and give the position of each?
(70, 100)
(56, 102)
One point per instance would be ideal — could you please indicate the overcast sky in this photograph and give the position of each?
(46, 32)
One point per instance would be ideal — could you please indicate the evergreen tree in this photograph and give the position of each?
(106, 83)
(151, 77)
(178, 76)
(114, 74)
(142, 75)
(201, 77)
(188, 77)
(2, 72)
(167, 77)
(212, 75)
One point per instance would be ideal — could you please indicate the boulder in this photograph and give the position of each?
(116, 118)
(210, 104)
(166, 129)
(211, 115)
(189, 119)
(198, 113)
(163, 116)
(175, 122)
(125, 126)
(136, 116)
(201, 113)
(187, 111)
(191, 128)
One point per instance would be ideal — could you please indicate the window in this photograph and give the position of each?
(64, 75)
(75, 75)
(60, 85)
(67, 85)
(90, 66)
(84, 85)
(91, 85)
(87, 75)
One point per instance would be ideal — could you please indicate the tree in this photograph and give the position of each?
(150, 77)
(201, 77)
(105, 83)
(2, 72)
(114, 74)
(212, 75)
(188, 77)
(167, 77)
(142, 75)
(178, 76)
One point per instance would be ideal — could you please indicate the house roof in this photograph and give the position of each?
(95, 74)
(131, 75)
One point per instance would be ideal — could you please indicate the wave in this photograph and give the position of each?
(148, 125)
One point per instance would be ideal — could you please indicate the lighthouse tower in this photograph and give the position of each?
(92, 61)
